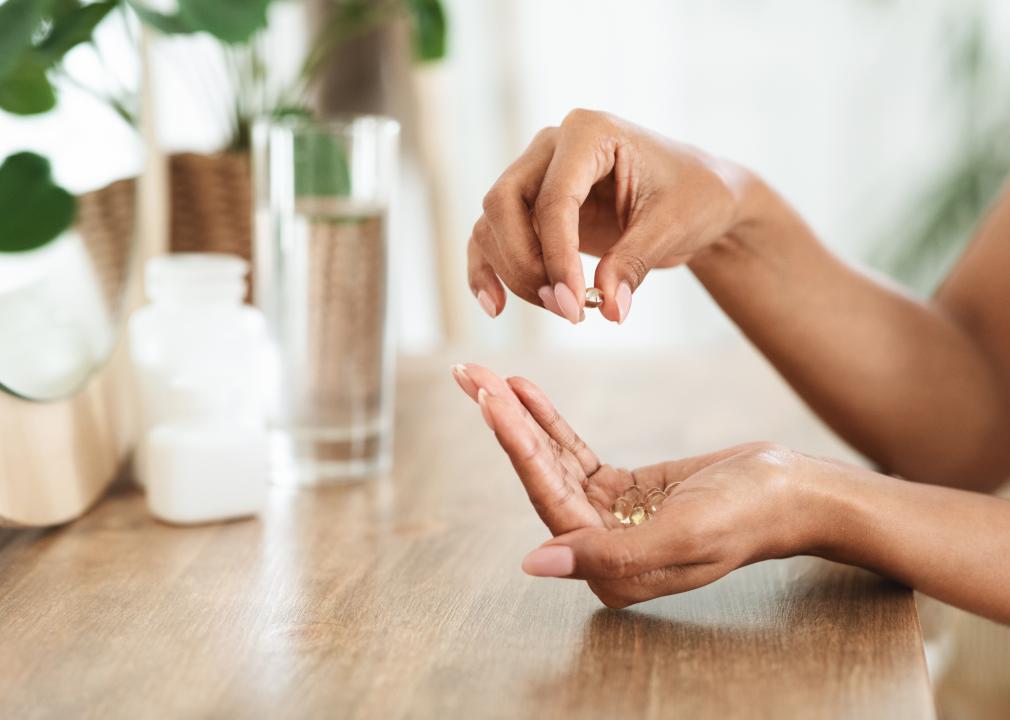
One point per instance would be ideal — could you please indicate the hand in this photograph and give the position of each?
(602, 186)
(731, 508)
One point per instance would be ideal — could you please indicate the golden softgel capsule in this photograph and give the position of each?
(594, 297)
(622, 509)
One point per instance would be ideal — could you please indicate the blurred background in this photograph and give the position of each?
(883, 121)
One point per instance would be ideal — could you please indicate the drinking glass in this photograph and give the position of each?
(321, 257)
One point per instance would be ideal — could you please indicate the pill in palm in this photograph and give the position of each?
(622, 510)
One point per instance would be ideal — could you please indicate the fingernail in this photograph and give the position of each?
(550, 302)
(623, 298)
(550, 561)
(566, 301)
(463, 380)
(487, 303)
(484, 409)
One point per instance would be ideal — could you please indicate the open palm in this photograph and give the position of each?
(566, 482)
(727, 508)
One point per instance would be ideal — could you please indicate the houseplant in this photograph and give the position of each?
(35, 37)
(210, 194)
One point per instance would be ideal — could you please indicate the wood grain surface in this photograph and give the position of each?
(404, 597)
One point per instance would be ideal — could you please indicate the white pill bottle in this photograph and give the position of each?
(201, 361)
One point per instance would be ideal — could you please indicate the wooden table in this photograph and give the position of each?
(404, 598)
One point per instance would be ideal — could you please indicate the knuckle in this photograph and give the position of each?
(551, 503)
(529, 260)
(481, 233)
(547, 133)
(769, 454)
(635, 266)
(578, 444)
(580, 116)
(555, 254)
(617, 561)
(494, 201)
(551, 198)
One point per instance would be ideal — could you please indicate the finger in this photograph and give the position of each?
(584, 155)
(484, 284)
(550, 490)
(600, 554)
(506, 207)
(477, 376)
(482, 378)
(467, 385)
(543, 411)
(623, 268)
(484, 240)
(472, 378)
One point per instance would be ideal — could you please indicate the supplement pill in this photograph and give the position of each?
(594, 297)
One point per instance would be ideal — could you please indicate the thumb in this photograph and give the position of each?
(624, 266)
(594, 553)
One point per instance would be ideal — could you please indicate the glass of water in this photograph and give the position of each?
(321, 258)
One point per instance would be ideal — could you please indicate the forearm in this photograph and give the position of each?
(952, 545)
(896, 377)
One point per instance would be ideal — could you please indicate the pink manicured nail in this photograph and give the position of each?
(463, 380)
(623, 298)
(567, 302)
(484, 409)
(487, 303)
(549, 300)
(550, 561)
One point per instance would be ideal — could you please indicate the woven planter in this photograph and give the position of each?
(210, 206)
(106, 223)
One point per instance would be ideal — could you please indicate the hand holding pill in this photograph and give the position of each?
(603, 186)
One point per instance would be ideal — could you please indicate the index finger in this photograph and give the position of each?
(584, 155)
(506, 208)
(553, 493)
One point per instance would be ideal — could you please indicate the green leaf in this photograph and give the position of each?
(33, 209)
(167, 24)
(18, 21)
(430, 29)
(26, 90)
(296, 111)
(231, 21)
(73, 28)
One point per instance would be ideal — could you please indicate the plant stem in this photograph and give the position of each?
(116, 105)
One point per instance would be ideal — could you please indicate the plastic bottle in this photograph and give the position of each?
(200, 357)
(203, 463)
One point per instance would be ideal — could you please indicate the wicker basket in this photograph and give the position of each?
(210, 204)
(106, 222)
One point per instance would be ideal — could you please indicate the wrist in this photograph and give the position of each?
(830, 506)
(761, 220)
(749, 191)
